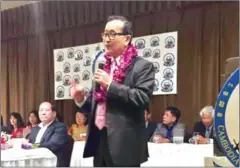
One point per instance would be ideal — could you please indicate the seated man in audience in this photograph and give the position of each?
(170, 126)
(50, 133)
(151, 126)
(205, 129)
(205, 126)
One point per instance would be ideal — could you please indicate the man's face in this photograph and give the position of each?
(116, 46)
(207, 119)
(168, 118)
(147, 115)
(45, 112)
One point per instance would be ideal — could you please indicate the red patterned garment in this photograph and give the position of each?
(18, 133)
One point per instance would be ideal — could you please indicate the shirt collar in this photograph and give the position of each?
(146, 123)
(117, 60)
(210, 127)
(41, 124)
(170, 127)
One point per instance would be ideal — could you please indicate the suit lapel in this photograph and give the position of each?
(37, 129)
(48, 132)
(129, 70)
(130, 67)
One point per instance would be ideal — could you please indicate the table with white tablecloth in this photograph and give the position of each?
(77, 159)
(160, 155)
(16, 157)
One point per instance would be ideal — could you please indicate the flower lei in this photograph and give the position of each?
(4, 137)
(119, 73)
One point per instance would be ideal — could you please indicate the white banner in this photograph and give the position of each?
(76, 63)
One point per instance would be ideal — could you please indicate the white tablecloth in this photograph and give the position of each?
(160, 155)
(77, 159)
(176, 155)
(16, 157)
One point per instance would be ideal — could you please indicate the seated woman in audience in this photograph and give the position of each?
(79, 130)
(16, 125)
(170, 127)
(33, 120)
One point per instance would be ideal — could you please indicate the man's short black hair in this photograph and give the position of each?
(127, 27)
(174, 111)
(54, 107)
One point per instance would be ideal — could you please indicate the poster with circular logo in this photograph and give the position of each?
(226, 121)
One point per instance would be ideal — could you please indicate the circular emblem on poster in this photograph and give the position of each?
(154, 41)
(140, 43)
(168, 59)
(169, 42)
(168, 73)
(167, 85)
(156, 53)
(87, 61)
(78, 55)
(76, 67)
(60, 91)
(147, 53)
(156, 67)
(85, 75)
(70, 53)
(58, 76)
(60, 56)
(66, 67)
(226, 118)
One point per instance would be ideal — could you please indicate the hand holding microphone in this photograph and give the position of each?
(101, 77)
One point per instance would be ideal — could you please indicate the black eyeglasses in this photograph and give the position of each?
(112, 35)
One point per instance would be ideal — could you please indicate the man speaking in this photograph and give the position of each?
(117, 132)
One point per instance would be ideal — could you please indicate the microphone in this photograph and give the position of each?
(100, 66)
(99, 57)
(99, 63)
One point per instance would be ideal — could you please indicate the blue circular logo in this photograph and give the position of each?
(226, 121)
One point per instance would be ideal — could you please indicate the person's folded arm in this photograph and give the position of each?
(156, 132)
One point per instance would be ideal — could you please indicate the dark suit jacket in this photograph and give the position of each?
(151, 127)
(126, 129)
(55, 138)
(199, 127)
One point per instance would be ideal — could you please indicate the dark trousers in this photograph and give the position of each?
(103, 158)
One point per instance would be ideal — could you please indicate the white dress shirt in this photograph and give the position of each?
(41, 131)
(146, 124)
